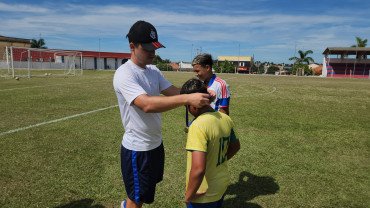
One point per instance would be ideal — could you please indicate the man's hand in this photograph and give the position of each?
(198, 100)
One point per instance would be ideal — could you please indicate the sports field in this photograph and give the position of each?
(305, 142)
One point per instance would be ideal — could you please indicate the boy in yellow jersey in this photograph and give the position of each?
(210, 144)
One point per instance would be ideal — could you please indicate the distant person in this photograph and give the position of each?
(202, 67)
(138, 86)
(211, 142)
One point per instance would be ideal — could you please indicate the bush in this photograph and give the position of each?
(164, 67)
(225, 67)
(272, 69)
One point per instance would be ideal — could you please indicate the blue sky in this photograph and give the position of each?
(269, 30)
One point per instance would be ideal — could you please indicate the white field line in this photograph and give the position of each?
(266, 93)
(230, 78)
(20, 88)
(54, 121)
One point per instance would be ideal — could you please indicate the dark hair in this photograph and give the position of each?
(203, 59)
(193, 86)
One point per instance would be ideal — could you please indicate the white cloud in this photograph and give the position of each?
(22, 8)
(260, 30)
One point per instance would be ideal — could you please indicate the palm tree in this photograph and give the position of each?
(360, 42)
(38, 43)
(303, 58)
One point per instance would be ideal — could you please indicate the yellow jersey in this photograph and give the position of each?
(211, 132)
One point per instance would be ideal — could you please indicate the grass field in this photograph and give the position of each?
(24, 72)
(304, 143)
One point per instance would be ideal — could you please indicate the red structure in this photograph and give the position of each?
(90, 59)
(348, 62)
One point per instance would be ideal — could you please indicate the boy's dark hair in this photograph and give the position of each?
(193, 86)
(203, 59)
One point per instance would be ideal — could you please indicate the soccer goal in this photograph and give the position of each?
(30, 62)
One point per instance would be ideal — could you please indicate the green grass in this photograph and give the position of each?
(304, 143)
(23, 72)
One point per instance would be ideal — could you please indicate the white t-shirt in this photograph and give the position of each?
(142, 130)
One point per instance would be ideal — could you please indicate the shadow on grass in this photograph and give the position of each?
(83, 203)
(247, 188)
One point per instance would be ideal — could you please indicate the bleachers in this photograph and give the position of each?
(358, 70)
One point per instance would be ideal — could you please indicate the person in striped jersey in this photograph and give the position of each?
(202, 67)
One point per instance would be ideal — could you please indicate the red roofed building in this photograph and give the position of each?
(103, 60)
(89, 59)
(317, 70)
(174, 66)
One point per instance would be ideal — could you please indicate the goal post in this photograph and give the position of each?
(29, 62)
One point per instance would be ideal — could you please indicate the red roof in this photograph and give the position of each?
(317, 70)
(105, 54)
(174, 66)
(49, 54)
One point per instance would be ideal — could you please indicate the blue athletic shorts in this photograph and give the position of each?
(216, 204)
(141, 171)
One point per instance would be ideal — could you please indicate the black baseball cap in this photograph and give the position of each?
(144, 33)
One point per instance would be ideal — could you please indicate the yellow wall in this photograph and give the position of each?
(234, 58)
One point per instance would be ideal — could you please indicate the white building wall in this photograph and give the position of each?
(324, 69)
(184, 65)
(3, 65)
(88, 62)
(111, 63)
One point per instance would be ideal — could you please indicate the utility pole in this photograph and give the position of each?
(99, 56)
(191, 54)
(237, 68)
(252, 64)
(295, 48)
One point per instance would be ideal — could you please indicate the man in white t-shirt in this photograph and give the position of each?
(202, 67)
(138, 86)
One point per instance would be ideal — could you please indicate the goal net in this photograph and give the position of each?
(30, 62)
